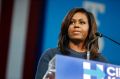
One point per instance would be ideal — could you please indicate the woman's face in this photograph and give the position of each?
(79, 26)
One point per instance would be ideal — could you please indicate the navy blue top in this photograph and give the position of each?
(50, 53)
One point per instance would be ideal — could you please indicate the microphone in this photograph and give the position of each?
(101, 35)
(88, 47)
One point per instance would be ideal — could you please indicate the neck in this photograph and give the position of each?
(79, 47)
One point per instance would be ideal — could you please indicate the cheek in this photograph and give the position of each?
(86, 29)
(69, 30)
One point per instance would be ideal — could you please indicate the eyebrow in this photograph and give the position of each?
(78, 19)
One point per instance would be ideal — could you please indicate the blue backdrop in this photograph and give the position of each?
(107, 15)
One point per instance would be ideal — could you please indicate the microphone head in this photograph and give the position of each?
(98, 34)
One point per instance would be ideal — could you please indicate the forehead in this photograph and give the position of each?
(79, 15)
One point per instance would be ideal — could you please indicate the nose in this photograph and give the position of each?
(76, 25)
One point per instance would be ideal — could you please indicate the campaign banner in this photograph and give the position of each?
(77, 68)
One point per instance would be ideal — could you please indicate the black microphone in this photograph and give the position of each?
(101, 35)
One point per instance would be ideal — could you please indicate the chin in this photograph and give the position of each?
(78, 39)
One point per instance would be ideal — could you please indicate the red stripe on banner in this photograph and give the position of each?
(0, 9)
(31, 42)
(5, 25)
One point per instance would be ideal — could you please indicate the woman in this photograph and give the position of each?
(77, 31)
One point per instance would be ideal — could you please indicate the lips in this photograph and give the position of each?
(76, 31)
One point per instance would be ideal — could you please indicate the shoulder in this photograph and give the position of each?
(49, 53)
(101, 58)
(42, 67)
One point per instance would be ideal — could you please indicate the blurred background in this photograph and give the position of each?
(29, 27)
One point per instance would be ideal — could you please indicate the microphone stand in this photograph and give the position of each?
(101, 35)
(89, 49)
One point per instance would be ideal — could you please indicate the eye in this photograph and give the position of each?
(82, 22)
(72, 22)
